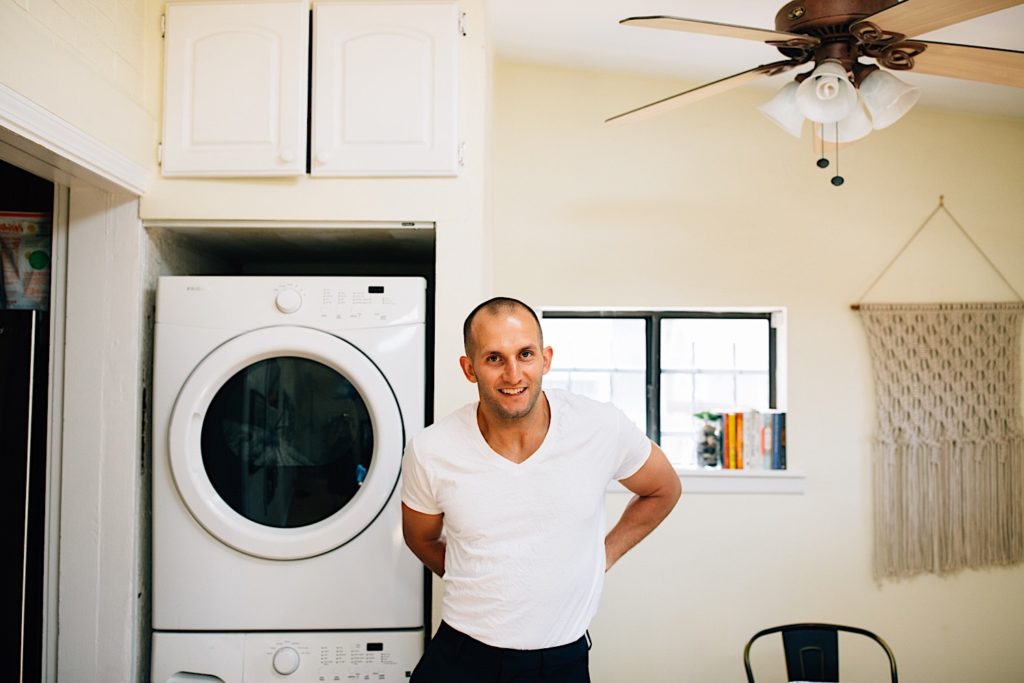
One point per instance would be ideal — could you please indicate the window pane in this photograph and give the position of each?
(681, 449)
(708, 364)
(597, 343)
(676, 402)
(601, 358)
(714, 391)
(714, 343)
(752, 391)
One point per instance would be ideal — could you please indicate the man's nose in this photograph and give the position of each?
(512, 372)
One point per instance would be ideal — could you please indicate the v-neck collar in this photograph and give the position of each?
(502, 461)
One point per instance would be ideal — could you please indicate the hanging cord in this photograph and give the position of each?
(817, 140)
(837, 179)
(942, 206)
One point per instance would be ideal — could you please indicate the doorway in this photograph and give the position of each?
(26, 239)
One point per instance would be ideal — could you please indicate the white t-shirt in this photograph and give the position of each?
(524, 560)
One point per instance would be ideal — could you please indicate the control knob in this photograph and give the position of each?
(286, 661)
(288, 300)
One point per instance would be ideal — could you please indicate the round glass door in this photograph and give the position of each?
(286, 443)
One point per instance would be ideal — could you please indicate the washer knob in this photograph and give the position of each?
(286, 661)
(288, 300)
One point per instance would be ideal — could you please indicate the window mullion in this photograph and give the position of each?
(654, 378)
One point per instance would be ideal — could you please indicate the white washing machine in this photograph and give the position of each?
(281, 407)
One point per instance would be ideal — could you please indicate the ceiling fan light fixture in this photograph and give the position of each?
(856, 125)
(827, 95)
(782, 110)
(887, 97)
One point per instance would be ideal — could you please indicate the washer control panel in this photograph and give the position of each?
(332, 657)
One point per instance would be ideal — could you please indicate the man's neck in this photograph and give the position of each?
(518, 439)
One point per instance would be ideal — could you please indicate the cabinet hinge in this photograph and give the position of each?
(163, 25)
(462, 154)
(159, 153)
(462, 23)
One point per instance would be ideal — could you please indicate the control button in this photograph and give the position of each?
(286, 661)
(288, 300)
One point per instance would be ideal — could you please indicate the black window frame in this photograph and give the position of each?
(652, 319)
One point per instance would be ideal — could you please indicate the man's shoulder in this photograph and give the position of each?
(568, 401)
(453, 424)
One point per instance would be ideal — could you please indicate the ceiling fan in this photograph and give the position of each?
(843, 96)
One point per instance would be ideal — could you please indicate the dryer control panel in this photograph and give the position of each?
(332, 303)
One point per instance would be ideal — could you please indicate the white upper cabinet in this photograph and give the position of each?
(384, 99)
(235, 98)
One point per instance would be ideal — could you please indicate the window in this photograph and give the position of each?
(663, 367)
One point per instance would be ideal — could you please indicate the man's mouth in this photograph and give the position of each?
(513, 392)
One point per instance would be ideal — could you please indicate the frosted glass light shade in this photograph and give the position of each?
(826, 96)
(782, 110)
(855, 126)
(887, 97)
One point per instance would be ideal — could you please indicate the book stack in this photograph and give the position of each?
(752, 440)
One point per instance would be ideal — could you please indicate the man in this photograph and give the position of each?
(504, 499)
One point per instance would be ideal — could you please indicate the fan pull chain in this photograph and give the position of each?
(822, 161)
(837, 179)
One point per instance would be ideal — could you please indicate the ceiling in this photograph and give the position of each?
(586, 34)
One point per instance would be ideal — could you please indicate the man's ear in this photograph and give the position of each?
(467, 368)
(548, 353)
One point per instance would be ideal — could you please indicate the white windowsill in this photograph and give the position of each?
(734, 481)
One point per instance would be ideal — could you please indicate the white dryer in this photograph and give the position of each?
(281, 407)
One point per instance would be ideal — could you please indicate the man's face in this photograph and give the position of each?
(506, 362)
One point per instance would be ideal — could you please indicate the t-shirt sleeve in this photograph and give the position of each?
(633, 446)
(416, 490)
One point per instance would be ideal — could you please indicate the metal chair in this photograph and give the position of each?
(812, 651)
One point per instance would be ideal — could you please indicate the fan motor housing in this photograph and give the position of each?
(825, 17)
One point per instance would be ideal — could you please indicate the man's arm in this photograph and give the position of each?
(422, 534)
(657, 489)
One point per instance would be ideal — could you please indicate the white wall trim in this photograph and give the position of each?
(30, 121)
(734, 481)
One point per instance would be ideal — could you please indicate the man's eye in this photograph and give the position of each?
(492, 359)
(527, 354)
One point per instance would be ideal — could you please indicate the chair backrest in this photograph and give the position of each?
(812, 651)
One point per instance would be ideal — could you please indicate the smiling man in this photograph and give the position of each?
(504, 499)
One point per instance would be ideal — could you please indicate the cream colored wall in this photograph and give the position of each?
(714, 206)
(85, 62)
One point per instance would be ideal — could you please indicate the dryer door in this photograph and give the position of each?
(286, 442)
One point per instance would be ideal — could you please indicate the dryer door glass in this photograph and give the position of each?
(287, 442)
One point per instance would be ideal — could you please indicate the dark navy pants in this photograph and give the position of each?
(454, 657)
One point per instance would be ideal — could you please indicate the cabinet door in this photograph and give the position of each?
(235, 89)
(384, 89)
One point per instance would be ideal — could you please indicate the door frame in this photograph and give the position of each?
(96, 191)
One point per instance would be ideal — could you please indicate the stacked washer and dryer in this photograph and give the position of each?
(281, 407)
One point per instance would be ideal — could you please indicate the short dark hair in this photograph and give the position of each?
(495, 306)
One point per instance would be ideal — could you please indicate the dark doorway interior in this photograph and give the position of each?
(26, 210)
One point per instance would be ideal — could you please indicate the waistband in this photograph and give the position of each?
(446, 631)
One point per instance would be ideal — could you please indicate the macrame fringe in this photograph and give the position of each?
(949, 450)
(946, 507)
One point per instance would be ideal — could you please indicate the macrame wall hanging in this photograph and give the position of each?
(948, 455)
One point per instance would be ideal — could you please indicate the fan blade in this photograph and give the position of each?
(972, 63)
(914, 17)
(704, 91)
(716, 29)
